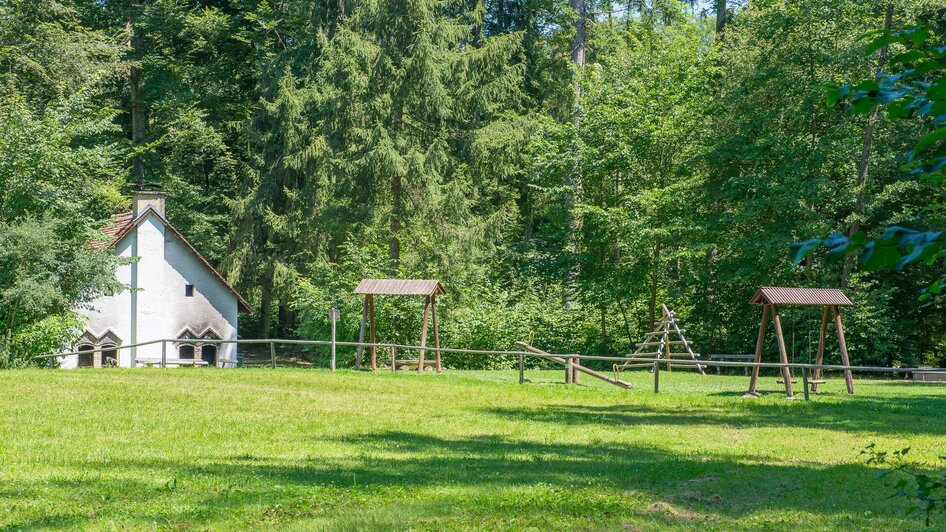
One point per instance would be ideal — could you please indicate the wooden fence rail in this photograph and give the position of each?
(572, 362)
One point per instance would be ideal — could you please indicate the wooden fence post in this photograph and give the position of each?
(657, 376)
(804, 381)
(164, 353)
(522, 368)
(361, 334)
(333, 316)
(272, 353)
(393, 360)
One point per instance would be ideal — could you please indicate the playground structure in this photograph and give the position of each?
(429, 289)
(772, 298)
(667, 334)
(661, 340)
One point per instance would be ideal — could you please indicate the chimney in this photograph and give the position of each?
(147, 195)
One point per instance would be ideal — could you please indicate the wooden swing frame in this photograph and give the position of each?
(771, 298)
(429, 289)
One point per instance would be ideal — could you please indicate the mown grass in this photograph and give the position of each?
(304, 449)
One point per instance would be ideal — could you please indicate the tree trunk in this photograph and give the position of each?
(654, 285)
(134, 83)
(863, 163)
(720, 18)
(265, 304)
(579, 42)
(394, 245)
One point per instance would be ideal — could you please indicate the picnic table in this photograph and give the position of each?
(725, 357)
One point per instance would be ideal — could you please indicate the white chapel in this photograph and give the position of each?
(174, 293)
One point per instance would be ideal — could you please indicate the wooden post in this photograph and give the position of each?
(848, 377)
(522, 369)
(804, 381)
(361, 334)
(164, 354)
(433, 309)
(819, 358)
(423, 335)
(657, 377)
(374, 348)
(575, 373)
(760, 343)
(783, 353)
(393, 360)
(666, 339)
(333, 315)
(667, 348)
(272, 353)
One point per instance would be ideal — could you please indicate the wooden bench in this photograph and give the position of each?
(172, 362)
(719, 369)
(929, 375)
(399, 363)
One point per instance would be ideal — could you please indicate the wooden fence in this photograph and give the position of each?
(572, 362)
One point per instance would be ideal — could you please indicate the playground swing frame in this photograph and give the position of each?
(429, 289)
(772, 298)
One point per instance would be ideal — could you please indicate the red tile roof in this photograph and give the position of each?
(123, 223)
(111, 231)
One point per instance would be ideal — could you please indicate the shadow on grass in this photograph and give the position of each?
(396, 467)
(880, 415)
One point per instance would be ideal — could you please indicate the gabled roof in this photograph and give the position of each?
(123, 223)
(400, 287)
(774, 295)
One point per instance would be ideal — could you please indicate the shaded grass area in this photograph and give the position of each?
(291, 448)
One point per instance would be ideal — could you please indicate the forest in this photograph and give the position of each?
(564, 167)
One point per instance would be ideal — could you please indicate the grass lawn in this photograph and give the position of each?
(302, 448)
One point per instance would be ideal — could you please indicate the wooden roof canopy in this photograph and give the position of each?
(808, 297)
(400, 287)
(773, 297)
(428, 288)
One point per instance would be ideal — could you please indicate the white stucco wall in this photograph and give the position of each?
(158, 308)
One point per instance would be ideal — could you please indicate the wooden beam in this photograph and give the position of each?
(783, 353)
(583, 369)
(374, 348)
(819, 357)
(758, 350)
(848, 377)
(361, 334)
(433, 308)
(423, 334)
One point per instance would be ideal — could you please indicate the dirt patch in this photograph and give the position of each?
(681, 514)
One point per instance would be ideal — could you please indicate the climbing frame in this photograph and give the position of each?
(660, 343)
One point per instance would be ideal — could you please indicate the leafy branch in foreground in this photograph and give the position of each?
(916, 89)
(927, 493)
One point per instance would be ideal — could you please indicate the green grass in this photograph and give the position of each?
(290, 448)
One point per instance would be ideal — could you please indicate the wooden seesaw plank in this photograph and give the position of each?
(577, 367)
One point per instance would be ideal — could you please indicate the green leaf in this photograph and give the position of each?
(880, 42)
(868, 85)
(798, 250)
(918, 34)
(937, 89)
(925, 142)
(880, 256)
(928, 66)
(907, 57)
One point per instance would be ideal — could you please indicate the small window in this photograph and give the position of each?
(188, 290)
(186, 352)
(109, 356)
(208, 353)
(85, 360)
